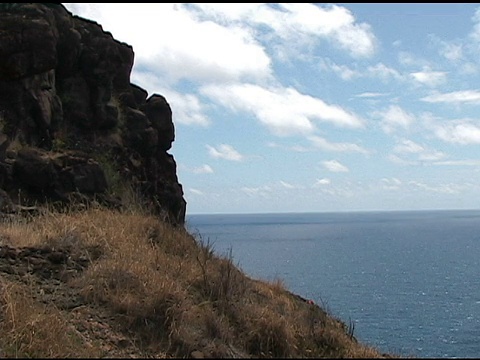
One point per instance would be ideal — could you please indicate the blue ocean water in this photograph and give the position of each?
(409, 281)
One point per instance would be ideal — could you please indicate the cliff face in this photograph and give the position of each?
(72, 126)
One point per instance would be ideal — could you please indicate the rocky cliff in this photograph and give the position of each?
(72, 126)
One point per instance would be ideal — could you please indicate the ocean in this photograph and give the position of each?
(409, 281)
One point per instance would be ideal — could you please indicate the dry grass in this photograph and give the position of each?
(32, 329)
(168, 291)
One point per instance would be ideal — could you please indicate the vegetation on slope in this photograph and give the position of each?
(109, 283)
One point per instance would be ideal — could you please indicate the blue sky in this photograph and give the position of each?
(313, 107)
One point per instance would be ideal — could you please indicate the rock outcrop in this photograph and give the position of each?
(72, 126)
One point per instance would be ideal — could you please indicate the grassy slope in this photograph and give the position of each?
(124, 284)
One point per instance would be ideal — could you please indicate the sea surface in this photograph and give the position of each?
(409, 281)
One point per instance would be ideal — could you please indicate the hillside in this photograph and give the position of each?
(95, 260)
(98, 282)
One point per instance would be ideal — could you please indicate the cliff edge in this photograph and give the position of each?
(72, 126)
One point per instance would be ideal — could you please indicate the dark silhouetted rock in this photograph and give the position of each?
(70, 120)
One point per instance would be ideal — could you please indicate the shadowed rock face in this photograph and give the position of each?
(71, 123)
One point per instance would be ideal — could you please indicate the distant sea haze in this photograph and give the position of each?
(409, 281)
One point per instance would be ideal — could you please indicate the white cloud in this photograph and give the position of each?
(263, 191)
(299, 148)
(308, 22)
(466, 96)
(225, 151)
(395, 184)
(475, 33)
(408, 59)
(430, 78)
(325, 186)
(469, 68)
(296, 148)
(468, 162)
(391, 184)
(287, 185)
(378, 71)
(356, 38)
(383, 72)
(284, 111)
(371, 95)
(334, 166)
(406, 146)
(231, 12)
(441, 188)
(204, 169)
(452, 52)
(184, 46)
(324, 144)
(333, 22)
(459, 51)
(322, 182)
(196, 192)
(293, 27)
(455, 97)
(459, 132)
(250, 191)
(393, 118)
(431, 155)
(343, 71)
(398, 160)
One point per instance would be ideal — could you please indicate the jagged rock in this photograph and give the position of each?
(159, 113)
(70, 120)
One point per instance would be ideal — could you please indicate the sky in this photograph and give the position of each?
(309, 107)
